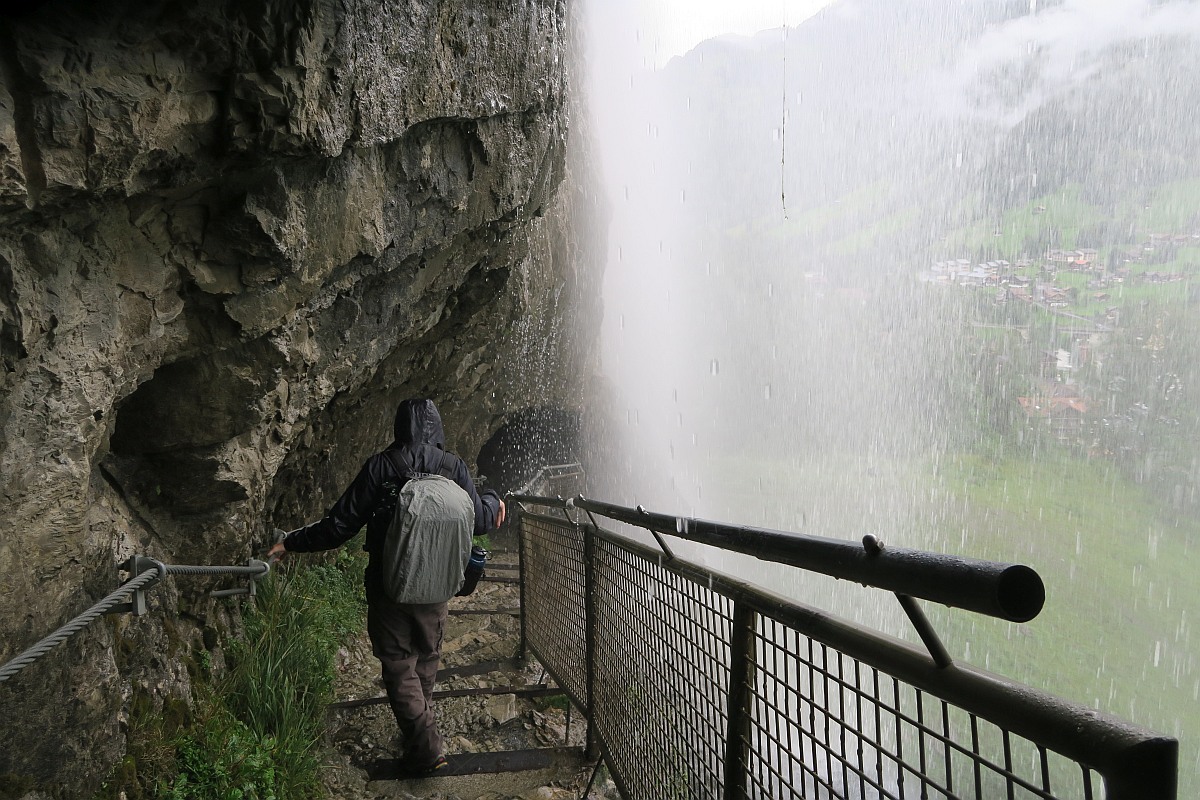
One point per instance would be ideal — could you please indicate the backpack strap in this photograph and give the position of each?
(448, 464)
(403, 467)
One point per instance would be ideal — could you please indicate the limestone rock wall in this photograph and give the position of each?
(232, 236)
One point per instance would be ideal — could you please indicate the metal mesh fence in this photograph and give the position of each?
(662, 675)
(554, 600)
(826, 725)
(700, 686)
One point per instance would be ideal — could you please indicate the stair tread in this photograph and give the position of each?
(481, 763)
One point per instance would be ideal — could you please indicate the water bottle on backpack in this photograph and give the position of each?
(473, 571)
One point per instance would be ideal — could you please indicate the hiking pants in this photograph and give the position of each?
(407, 640)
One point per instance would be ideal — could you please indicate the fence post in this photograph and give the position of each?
(740, 700)
(519, 521)
(1149, 769)
(589, 590)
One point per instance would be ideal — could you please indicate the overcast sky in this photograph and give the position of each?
(666, 28)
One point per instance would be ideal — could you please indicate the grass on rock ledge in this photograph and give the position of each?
(256, 731)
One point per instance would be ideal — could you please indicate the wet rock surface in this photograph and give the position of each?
(232, 236)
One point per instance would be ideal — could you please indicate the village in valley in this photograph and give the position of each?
(1037, 282)
(1076, 299)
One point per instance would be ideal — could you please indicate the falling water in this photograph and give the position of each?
(972, 329)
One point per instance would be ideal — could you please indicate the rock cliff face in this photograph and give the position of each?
(232, 236)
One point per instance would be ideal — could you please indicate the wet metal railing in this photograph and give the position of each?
(698, 685)
(550, 480)
(130, 598)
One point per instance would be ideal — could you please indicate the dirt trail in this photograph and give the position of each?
(361, 736)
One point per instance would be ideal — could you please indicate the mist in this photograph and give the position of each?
(927, 271)
(1055, 51)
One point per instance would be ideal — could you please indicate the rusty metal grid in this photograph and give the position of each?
(554, 600)
(662, 676)
(824, 724)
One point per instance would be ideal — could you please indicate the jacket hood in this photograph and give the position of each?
(418, 422)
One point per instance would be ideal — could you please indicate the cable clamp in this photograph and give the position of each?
(135, 565)
(252, 581)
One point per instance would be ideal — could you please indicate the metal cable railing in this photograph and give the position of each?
(698, 685)
(551, 477)
(122, 594)
(130, 597)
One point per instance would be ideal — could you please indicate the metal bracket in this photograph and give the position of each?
(658, 537)
(568, 507)
(135, 565)
(941, 656)
(937, 650)
(252, 581)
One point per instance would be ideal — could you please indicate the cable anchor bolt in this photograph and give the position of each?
(252, 581)
(135, 565)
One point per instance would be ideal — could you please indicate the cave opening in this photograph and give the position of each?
(531, 439)
(169, 436)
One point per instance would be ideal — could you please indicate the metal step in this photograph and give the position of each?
(468, 612)
(479, 763)
(445, 673)
(480, 668)
(438, 694)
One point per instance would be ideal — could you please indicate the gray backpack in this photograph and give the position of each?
(428, 541)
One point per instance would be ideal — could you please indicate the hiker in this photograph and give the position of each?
(406, 637)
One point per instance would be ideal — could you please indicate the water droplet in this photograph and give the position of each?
(714, 368)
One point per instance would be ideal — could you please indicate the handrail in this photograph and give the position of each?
(146, 578)
(548, 472)
(1014, 592)
(144, 574)
(550, 502)
(806, 698)
(1108, 744)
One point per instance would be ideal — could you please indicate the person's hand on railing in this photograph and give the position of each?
(278, 550)
(500, 515)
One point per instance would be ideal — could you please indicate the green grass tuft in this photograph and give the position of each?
(255, 733)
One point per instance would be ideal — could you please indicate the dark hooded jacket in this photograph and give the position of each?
(419, 446)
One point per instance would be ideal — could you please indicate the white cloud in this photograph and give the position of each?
(1015, 68)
